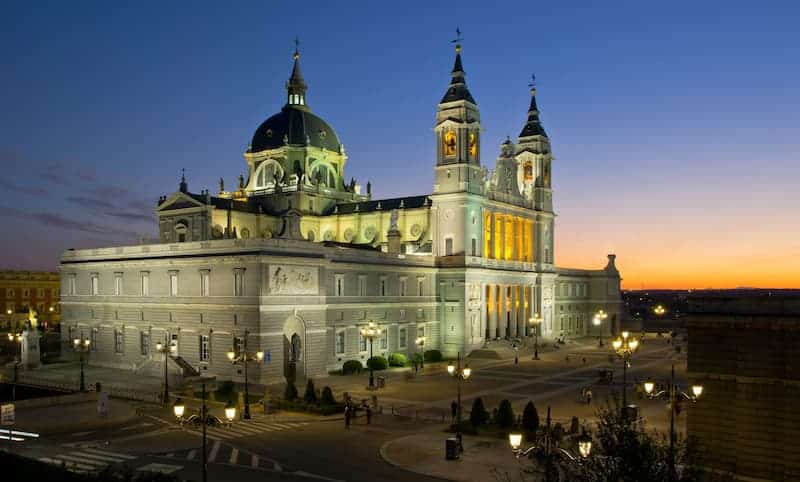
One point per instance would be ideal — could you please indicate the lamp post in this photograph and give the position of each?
(659, 310)
(243, 358)
(370, 332)
(459, 373)
(81, 345)
(673, 393)
(421, 344)
(15, 338)
(597, 321)
(179, 409)
(584, 447)
(535, 322)
(625, 345)
(164, 348)
(230, 412)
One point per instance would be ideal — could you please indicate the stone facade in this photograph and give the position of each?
(301, 259)
(744, 352)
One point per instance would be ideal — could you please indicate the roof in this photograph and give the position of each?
(458, 85)
(533, 126)
(298, 126)
(385, 204)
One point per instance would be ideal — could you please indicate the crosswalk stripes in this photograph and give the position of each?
(246, 429)
(214, 450)
(87, 460)
(220, 453)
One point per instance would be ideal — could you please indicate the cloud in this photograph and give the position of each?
(131, 216)
(51, 220)
(91, 202)
(11, 186)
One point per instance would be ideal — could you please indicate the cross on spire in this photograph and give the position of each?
(457, 40)
(296, 47)
(532, 83)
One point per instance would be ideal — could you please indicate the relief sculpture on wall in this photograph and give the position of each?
(292, 280)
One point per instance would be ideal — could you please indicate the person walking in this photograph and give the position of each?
(347, 414)
(368, 410)
(589, 396)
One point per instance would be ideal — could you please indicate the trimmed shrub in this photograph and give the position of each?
(311, 393)
(377, 363)
(397, 360)
(478, 415)
(505, 415)
(327, 397)
(530, 420)
(301, 406)
(433, 356)
(290, 393)
(352, 366)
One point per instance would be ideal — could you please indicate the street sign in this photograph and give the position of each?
(102, 404)
(7, 414)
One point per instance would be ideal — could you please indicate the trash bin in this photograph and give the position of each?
(381, 382)
(451, 448)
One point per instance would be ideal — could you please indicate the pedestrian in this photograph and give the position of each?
(416, 366)
(567, 358)
(584, 360)
(369, 414)
(453, 411)
(347, 415)
(589, 396)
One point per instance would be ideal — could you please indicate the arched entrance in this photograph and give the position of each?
(294, 343)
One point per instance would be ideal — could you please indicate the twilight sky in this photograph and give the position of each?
(674, 124)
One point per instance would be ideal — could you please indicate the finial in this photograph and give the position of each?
(458, 40)
(296, 47)
(532, 84)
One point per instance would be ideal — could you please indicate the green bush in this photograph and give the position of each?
(478, 415)
(301, 406)
(352, 366)
(416, 357)
(398, 360)
(505, 415)
(433, 356)
(311, 393)
(530, 420)
(377, 363)
(327, 397)
(290, 393)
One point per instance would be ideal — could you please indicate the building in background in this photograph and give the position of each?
(298, 259)
(21, 291)
(743, 349)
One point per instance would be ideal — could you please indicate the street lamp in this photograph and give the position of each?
(15, 338)
(164, 348)
(597, 321)
(659, 310)
(81, 345)
(535, 322)
(625, 345)
(421, 344)
(370, 332)
(673, 393)
(243, 358)
(179, 409)
(230, 412)
(585, 445)
(459, 374)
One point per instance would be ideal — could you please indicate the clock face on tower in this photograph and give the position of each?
(449, 142)
(473, 145)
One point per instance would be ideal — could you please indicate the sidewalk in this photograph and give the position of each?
(424, 453)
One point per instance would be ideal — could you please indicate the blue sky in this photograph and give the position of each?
(674, 124)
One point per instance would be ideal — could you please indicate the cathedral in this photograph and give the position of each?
(295, 259)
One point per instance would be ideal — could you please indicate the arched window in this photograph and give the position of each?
(266, 172)
(324, 174)
(245, 233)
(181, 231)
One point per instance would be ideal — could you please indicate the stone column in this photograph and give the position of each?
(514, 310)
(503, 235)
(502, 322)
(492, 307)
(515, 232)
(492, 234)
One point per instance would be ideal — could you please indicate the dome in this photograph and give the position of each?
(298, 126)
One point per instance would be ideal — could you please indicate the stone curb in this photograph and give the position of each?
(385, 457)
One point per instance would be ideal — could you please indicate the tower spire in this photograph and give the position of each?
(533, 126)
(458, 85)
(296, 86)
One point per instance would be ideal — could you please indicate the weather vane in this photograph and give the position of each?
(296, 47)
(458, 38)
(532, 83)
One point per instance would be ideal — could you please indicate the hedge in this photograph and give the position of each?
(301, 406)
(352, 366)
(398, 360)
(377, 363)
(433, 356)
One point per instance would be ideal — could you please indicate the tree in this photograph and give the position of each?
(311, 394)
(505, 415)
(290, 393)
(478, 416)
(327, 397)
(530, 420)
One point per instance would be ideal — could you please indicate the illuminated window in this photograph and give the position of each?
(528, 171)
(487, 234)
(449, 141)
(339, 345)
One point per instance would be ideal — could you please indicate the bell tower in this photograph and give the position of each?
(458, 136)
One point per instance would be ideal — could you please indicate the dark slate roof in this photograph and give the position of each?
(296, 84)
(533, 126)
(386, 204)
(298, 125)
(458, 87)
